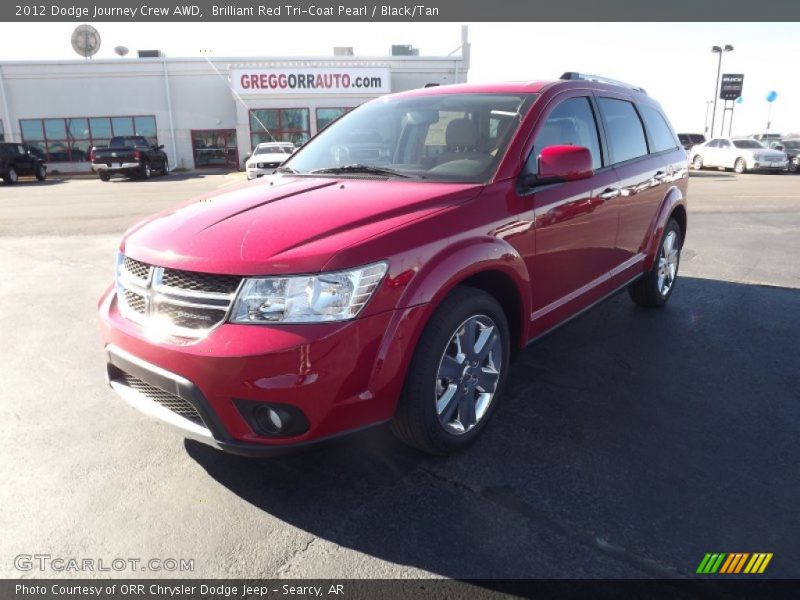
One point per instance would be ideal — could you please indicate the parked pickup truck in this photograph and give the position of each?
(129, 155)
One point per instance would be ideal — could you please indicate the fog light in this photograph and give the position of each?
(270, 420)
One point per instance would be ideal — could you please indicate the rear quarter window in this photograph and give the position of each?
(624, 131)
(660, 133)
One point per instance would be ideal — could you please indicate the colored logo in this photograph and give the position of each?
(731, 564)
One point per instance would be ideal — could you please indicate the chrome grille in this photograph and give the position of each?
(176, 404)
(200, 282)
(173, 302)
(136, 269)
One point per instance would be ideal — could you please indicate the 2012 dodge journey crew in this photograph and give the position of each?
(395, 265)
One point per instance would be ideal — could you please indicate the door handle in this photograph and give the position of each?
(609, 193)
(660, 176)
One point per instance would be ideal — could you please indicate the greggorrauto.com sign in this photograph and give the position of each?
(310, 80)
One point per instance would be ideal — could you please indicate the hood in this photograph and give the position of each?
(280, 224)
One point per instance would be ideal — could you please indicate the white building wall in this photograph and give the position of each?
(199, 93)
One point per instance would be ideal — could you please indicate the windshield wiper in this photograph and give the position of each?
(359, 168)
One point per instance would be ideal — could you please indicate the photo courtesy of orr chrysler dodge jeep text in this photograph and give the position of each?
(396, 264)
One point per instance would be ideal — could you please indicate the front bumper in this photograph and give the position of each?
(342, 377)
(767, 165)
(115, 167)
(255, 172)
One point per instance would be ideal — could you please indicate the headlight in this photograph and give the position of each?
(317, 298)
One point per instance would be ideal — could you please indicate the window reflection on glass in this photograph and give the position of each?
(122, 125)
(279, 125)
(62, 140)
(326, 116)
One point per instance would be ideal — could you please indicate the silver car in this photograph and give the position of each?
(739, 154)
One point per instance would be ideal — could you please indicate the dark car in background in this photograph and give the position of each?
(688, 140)
(791, 146)
(17, 160)
(131, 156)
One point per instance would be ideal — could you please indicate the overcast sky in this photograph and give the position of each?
(671, 60)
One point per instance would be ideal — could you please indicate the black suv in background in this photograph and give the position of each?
(688, 140)
(17, 160)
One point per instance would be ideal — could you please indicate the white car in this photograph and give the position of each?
(267, 157)
(739, 154)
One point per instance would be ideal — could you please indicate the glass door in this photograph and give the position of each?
(215, 148)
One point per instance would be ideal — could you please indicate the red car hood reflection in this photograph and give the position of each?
(284, 224)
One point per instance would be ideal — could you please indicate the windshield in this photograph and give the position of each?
(443, 137)
(274, 150)
(792, 145)
(751, 144)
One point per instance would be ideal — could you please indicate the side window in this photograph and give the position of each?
(660, 133)
(21, 150)
(571, 123)
(713, 144)
(626, 137)
(723, 144)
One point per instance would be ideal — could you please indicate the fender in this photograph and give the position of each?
(440, 274)
(672, 199)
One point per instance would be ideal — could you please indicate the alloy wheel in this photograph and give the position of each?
(468, 374)
(668, 263)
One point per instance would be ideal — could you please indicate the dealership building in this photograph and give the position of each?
(206, 111)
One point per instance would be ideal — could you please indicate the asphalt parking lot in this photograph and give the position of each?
(630, 442)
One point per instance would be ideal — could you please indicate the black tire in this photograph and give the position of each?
(794, 165)
(416, 421)
(11, 177)
(165, 169)
(647, 291)
(145, 171)
(104, 176)
(697, 162)
(740, 166)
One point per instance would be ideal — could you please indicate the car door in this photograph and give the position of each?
(23, 160)
(642, 144)
(726, 154)
(575, 222)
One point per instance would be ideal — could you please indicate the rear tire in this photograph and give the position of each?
(697, 162)
(655, 287)
(740, 166)
(104, 176)
(451, 388)
(794, 165)
(146, 173)
(41, 173)
(11, 177)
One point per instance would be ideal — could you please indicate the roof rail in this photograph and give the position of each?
(573, 76)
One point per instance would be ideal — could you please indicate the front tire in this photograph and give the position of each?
(41, 173)
(458, 370)
(165, 169)
(655, 287)
(697, 162)
(740, 166)
(794, 165)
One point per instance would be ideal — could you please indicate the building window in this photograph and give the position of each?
(326, 116)
(70, 140)
(279, 125)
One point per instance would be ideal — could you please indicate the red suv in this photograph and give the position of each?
(395, 265)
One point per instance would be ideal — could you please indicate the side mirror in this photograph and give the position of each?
(562, 163)
(161, 147)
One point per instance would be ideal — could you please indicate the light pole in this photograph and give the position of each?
(719, 50)
(705, 123)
